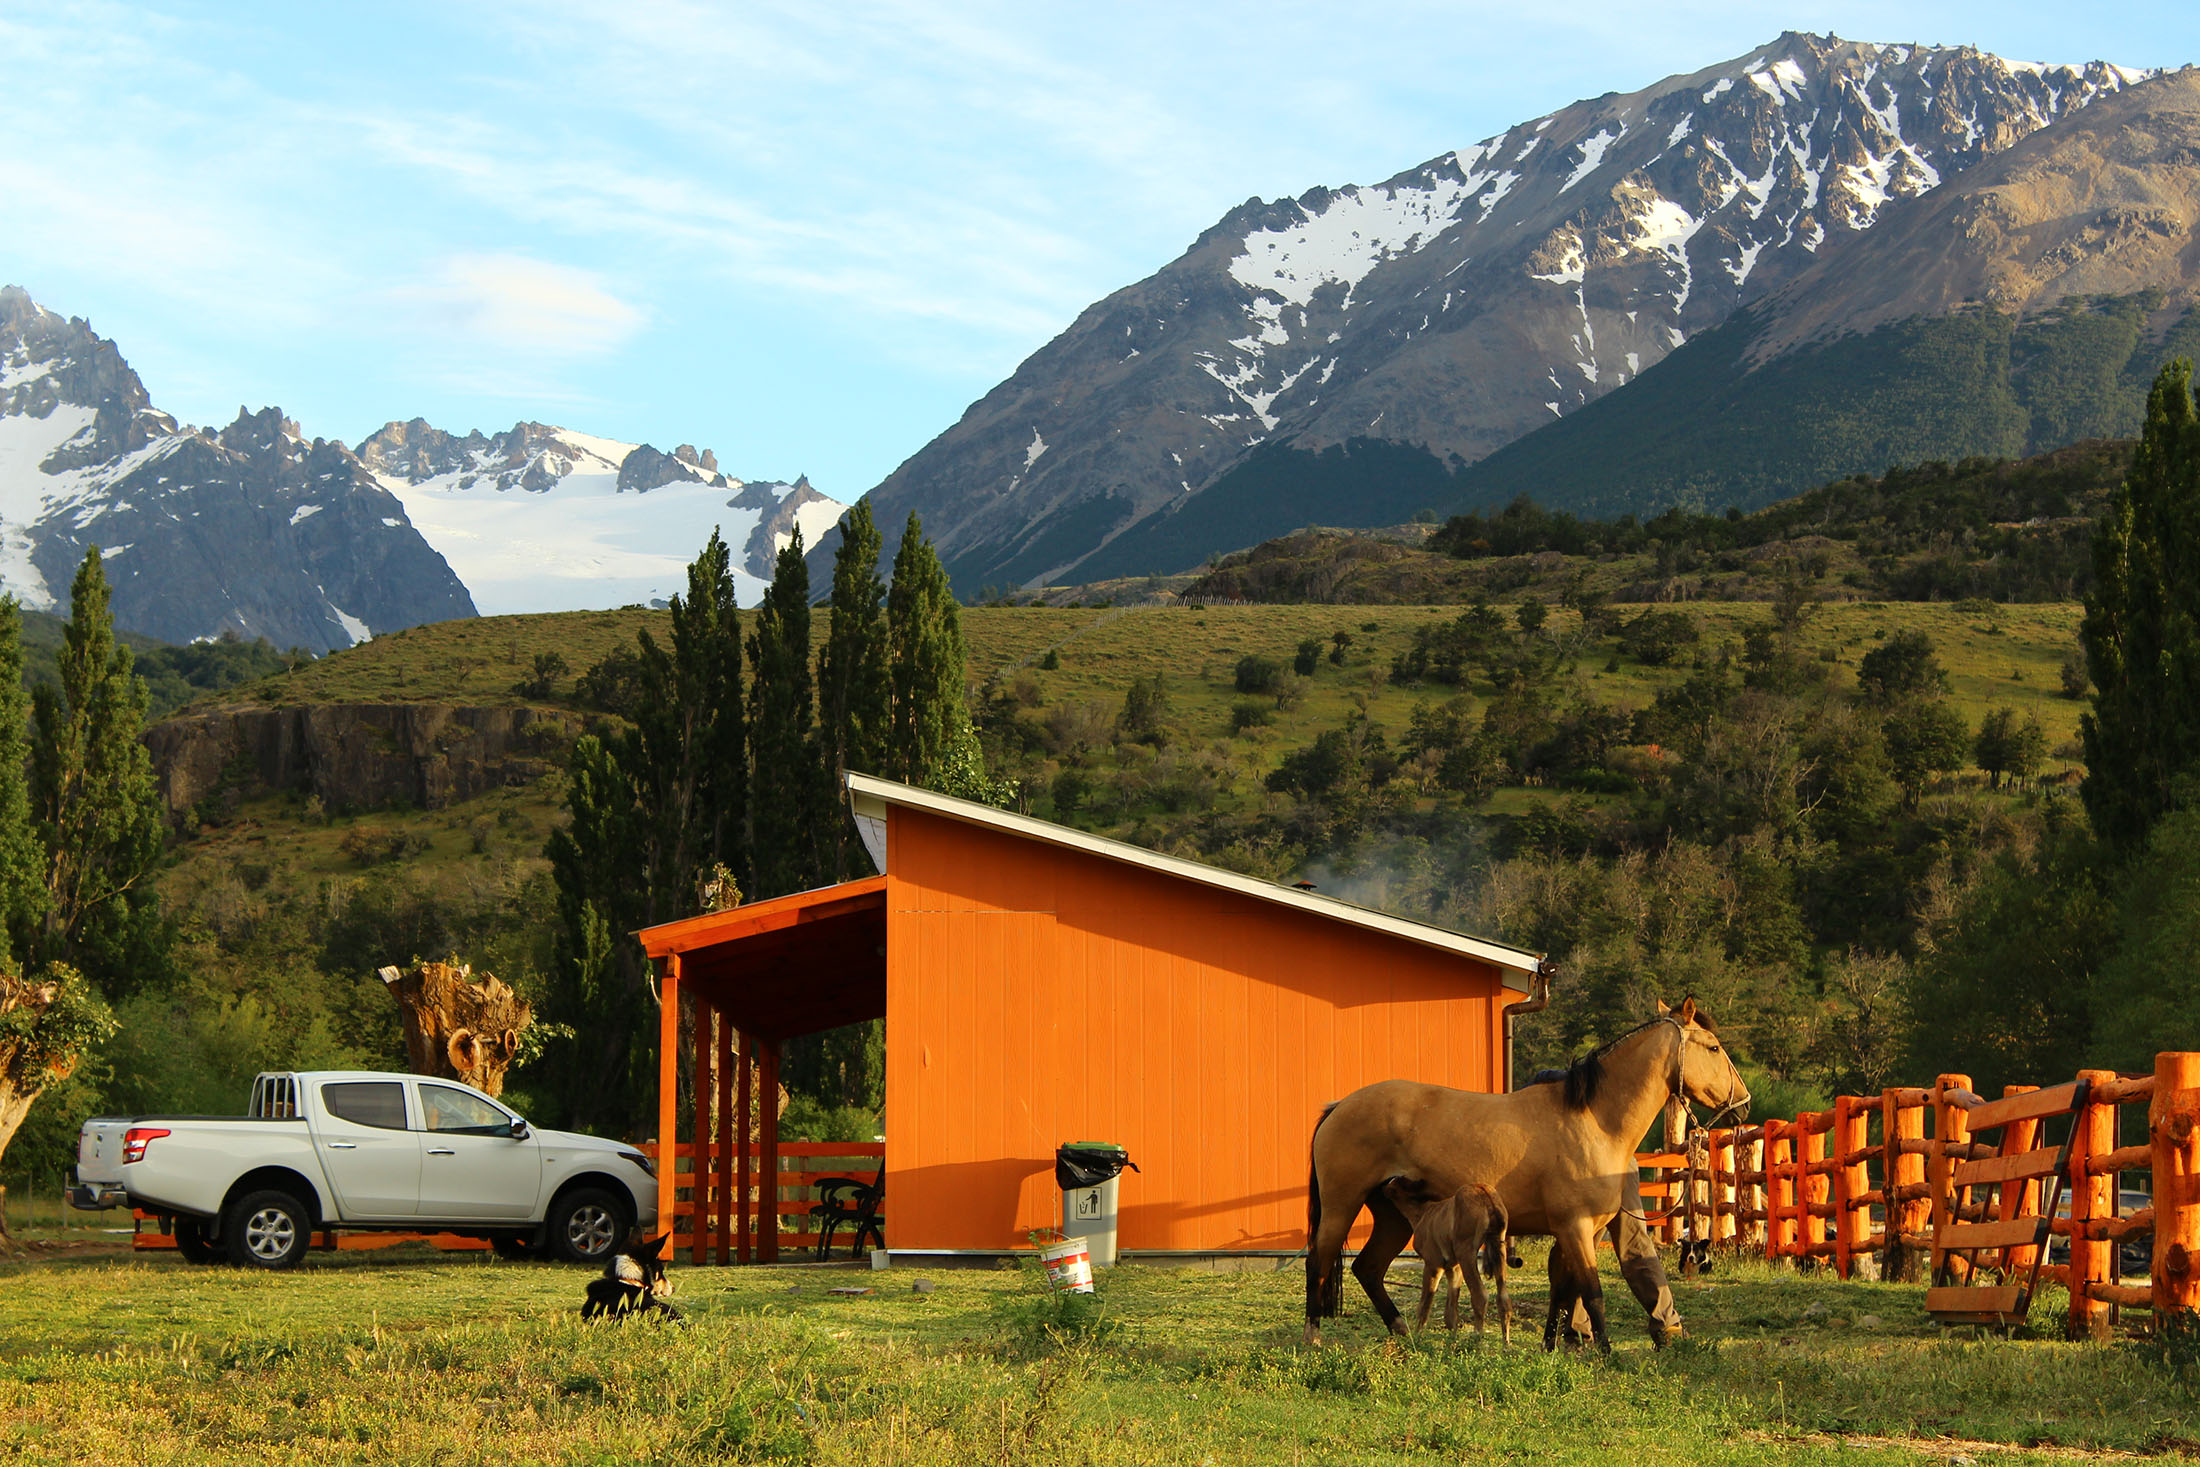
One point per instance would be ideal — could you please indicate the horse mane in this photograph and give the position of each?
(1585, 1075)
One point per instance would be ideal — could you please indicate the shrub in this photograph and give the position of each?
(1257, 674)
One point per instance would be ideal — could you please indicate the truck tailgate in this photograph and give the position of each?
(99, 1150)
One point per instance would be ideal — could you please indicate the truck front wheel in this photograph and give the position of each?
(267, 1230)
(586, 1225)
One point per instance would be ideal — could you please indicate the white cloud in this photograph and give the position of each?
(507, 301)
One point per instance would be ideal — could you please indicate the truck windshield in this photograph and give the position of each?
(448, 1110)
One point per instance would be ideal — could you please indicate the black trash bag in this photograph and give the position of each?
(1086, 1164)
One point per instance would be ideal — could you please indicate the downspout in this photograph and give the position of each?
(1538, 999)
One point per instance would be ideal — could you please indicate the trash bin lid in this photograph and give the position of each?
(1089, 1163)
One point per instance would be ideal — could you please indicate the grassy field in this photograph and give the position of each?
(411, 1357)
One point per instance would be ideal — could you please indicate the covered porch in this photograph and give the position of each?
(733, 987)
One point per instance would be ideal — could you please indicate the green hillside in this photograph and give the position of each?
(1710, 427)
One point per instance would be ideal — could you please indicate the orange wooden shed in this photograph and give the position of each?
(1042, 985)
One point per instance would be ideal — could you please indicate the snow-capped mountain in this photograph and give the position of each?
(256, 530)
(250, 530)
(548, 519)
(1451, 309)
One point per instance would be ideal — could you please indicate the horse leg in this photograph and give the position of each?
(1562, 1301)
(1580, 1250)
(1429, 1270)
(1504, 1304)
(1324, 1258)
(1384, 1244)
(1644, 1271)
(1474, 1288)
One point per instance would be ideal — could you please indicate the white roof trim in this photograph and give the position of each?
(870, 796)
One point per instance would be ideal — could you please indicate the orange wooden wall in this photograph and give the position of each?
(1037, 994)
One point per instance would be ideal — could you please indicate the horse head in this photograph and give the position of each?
(1706, 1071)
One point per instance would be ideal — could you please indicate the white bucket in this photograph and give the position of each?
(1068, 1265)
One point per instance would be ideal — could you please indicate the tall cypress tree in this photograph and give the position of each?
(924, 636)
(23, 898)
(853, 695)
(786, 812)
(93, 798)
(2142, 627)
(651, 810)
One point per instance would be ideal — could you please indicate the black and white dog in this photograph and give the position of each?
(633, 1282)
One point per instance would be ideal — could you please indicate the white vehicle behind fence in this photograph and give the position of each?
(362, 1149)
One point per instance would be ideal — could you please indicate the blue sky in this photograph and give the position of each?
(804, 235)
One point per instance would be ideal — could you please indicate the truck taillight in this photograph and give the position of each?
(137, 1138)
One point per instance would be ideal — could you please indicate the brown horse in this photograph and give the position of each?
(1560, 1156)
(1462, 1232)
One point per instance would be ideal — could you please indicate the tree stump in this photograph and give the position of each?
(457, 1026)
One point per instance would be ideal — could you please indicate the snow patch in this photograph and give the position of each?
(305, 512)
(1592, 153)
(1033, 449)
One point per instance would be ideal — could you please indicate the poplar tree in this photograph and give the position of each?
(23, 898)
(786, 813)
(2141, 632)
(925, 644)
(651, 811)
(853, 695)
(94, 801)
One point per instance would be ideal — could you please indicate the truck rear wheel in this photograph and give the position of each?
(587, 1225)
(267, 1230)
(192, 1242)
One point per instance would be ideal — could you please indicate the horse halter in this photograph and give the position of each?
(1734, 1108)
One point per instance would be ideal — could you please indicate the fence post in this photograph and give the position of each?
(1781, 1192)
(1951, 1130)
(1901, 1126)
(1725, 1190)
(1813, 1187)
(2173, 1129)
(1852, 1221)
(2018, 1199)
(2092, 1133)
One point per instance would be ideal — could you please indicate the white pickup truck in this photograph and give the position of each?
(362, 1149)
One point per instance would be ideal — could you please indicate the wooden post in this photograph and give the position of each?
(2092, 1133)
(1902, 1128)
(702, 1176)
(2019, 1198)
(1780, 1190)
(1852, 1222)
(668, 1088)
(1725, 1194)
(722, 1159)
(744, 1098)
(1951, 1131)
(767, 1097)
(2173, 1130)
(1756, 1197)
(1814, 1186)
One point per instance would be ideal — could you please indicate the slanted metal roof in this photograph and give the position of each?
(870, 797)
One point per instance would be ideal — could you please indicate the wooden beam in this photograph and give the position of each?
(2028, 1164)
(2173, 1125)
(722, 1156)
(744, 1095)
(2024, 1105)
(767, 1097)
(668, 1085)
(2092, 1133)
(701, 1173)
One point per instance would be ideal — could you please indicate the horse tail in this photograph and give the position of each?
(1324, 1287)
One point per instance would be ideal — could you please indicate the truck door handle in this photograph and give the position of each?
(343, 1146)
(441, 1151)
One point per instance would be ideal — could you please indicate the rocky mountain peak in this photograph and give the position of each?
(1454, 307)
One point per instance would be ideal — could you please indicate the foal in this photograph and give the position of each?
(1450, 1232)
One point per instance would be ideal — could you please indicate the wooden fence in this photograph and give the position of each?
(1863, 1179)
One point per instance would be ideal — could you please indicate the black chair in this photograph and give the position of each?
(846, 1201)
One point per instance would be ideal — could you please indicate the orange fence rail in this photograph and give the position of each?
(726, 1225)
(1957, 1206)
